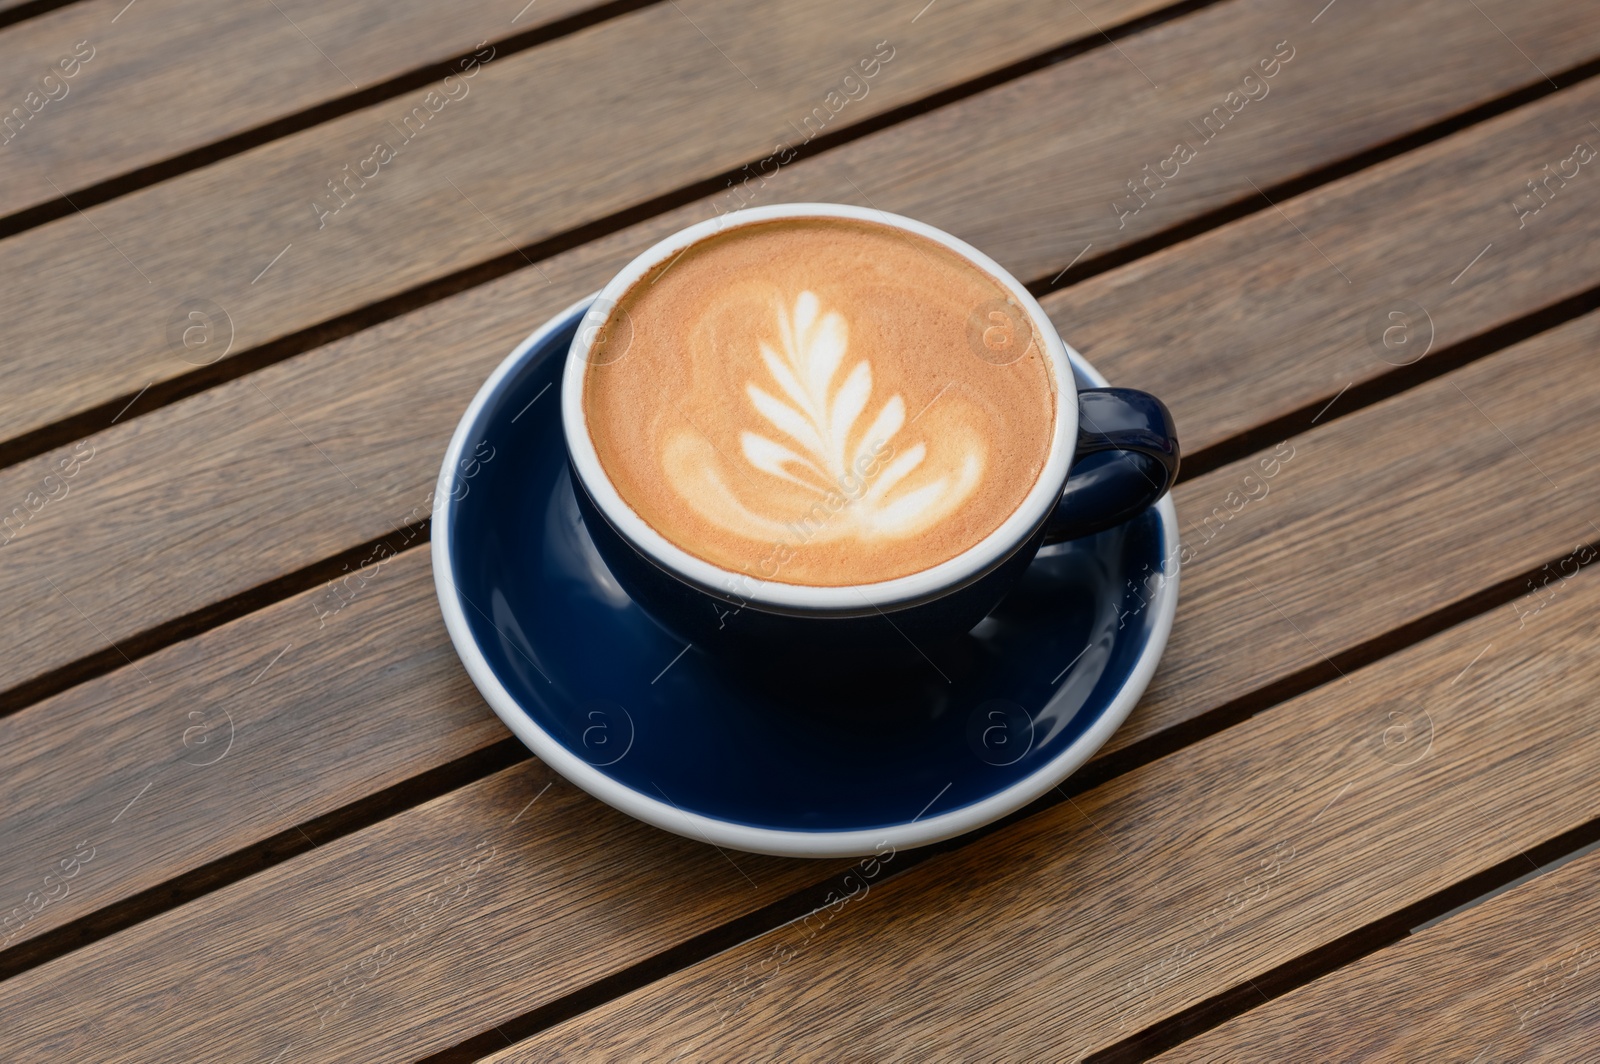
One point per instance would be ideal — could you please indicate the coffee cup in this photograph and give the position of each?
(817, 432)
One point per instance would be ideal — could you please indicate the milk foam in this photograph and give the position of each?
(800, 401)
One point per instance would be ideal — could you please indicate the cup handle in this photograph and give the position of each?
(1126, 459)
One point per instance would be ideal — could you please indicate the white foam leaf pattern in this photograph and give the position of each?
(772, 457)
(896, 471)
(821, 448)
(820, 419)
(784, 418)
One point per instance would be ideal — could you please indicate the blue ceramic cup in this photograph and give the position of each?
(1114, 453)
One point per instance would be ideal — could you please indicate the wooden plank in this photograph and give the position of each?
(532, 145)
(400, 940)
(1329, 267)
(1293, 332)
(1375, 495)
(257, 62)
(1513, 979)
(1200, 672)
(471, 187)
(249, 729)
(151, 538)
(1072, 930)
(1196, 693)
(1197, 676)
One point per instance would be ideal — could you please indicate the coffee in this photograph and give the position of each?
(820, 401)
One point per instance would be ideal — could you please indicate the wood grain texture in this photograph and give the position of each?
(1360, 487)
(410, 935)
(1514, 979)
(205, 474)
(531, 145)
(1461, 483)
(1092, 920)
(235, 486)
(229, 738)
(1285, 309)
(395, 942)
(1411, 522)
(242, 65)
(482, 179)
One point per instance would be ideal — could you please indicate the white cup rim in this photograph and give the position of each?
(845, 600)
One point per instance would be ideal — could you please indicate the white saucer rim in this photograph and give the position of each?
(780, 842)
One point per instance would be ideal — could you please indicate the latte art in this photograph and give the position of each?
(801, 401)
(867, 482)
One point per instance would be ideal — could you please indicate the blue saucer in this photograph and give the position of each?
(787, 765)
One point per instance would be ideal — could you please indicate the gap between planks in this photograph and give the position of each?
(1335, 415)
(483, 763)
(1247, 205)
(31, 9)
(1080, 782)
(189, 625)
(1237, 709)
(111, 188)
(1449, 987)
(153, 639)
(166, 392)
(1311, 676)
(1348, 948)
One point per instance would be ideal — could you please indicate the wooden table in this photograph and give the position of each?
(251, 809)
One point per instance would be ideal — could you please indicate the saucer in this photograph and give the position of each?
(786, 765)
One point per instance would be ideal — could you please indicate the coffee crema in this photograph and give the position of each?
(820, 401)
